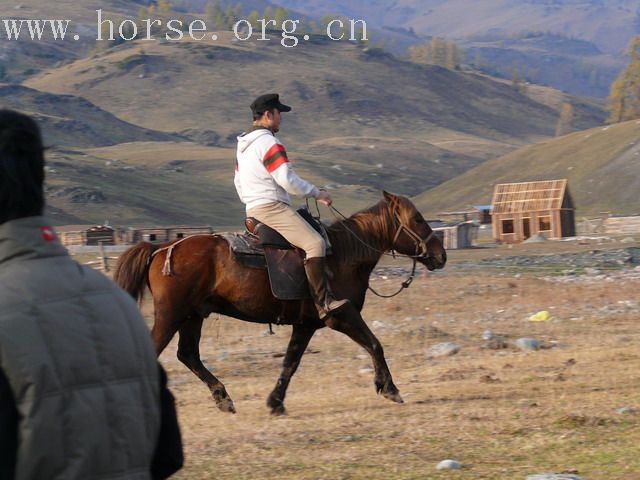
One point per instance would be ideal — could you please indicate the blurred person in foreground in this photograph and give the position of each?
(82, 395)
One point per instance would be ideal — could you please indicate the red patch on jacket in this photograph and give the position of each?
(48, 234)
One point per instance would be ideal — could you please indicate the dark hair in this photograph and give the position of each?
(258, 116)
(21, 167)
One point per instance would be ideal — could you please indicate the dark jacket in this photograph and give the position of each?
(80, 391)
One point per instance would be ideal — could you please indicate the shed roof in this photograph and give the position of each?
(81, 228)
(169, 227)
(529, 196)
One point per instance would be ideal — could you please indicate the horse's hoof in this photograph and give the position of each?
(393, 396)
(279, 411)
(226, 405)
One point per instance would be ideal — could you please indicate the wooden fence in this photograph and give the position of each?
(622, 225)
(608, 225)
(103, 263)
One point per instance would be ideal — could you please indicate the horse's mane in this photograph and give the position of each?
(374, 226)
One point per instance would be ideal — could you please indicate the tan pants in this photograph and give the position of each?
(284, 219)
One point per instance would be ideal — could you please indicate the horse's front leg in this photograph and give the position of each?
(350, 322)
(300, 338)
(189, 354)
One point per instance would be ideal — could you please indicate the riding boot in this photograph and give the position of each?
(319, 287)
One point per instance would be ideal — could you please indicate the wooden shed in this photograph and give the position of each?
(86, 234)
(483, 214)
(160, 234)
(455, 235)
(521, 210)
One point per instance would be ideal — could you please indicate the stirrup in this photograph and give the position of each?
(338, 306)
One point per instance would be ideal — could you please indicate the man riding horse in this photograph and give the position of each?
(202, 275)
(264, 179)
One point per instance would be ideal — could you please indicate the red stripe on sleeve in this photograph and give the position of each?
(276, 148)
(274, 165)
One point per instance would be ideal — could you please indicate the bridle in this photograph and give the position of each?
(421, 249)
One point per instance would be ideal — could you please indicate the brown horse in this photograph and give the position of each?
(206, 278)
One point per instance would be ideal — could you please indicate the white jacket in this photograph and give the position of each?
(263, 173)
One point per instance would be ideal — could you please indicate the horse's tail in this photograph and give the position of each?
(131, 270)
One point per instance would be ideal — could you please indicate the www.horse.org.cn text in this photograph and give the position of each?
(109, 30)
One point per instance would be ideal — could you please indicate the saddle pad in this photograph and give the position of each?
(246, 249)
(243, 243)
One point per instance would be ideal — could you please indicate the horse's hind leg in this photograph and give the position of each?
(300, 338)
(189, 354)
(165, 326)
(350, 322)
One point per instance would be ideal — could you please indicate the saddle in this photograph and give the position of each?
(264, 248)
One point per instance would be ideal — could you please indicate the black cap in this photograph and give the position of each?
(268, 102)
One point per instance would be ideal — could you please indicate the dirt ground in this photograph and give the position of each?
(504, 414)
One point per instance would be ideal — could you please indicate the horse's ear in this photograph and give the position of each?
(389, 197)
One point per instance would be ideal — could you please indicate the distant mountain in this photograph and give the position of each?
(569, 64)
(574, 45)
(602, 165)
(608, 24)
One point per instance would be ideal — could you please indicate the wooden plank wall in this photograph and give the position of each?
(622, 225)
(72, 238)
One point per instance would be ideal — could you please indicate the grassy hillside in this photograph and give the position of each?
(143, 183)
(24, 58)
(175, 183)
(165, 116)
(371, 122)
(336, 89)
(67, 120)
(183, 182)
(602, 165)
(69, 9)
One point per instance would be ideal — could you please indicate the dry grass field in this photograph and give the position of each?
(503, 413)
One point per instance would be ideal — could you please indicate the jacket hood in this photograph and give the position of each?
(247, 138)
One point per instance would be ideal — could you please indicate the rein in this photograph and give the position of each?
(421, 247)
(404, 284)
